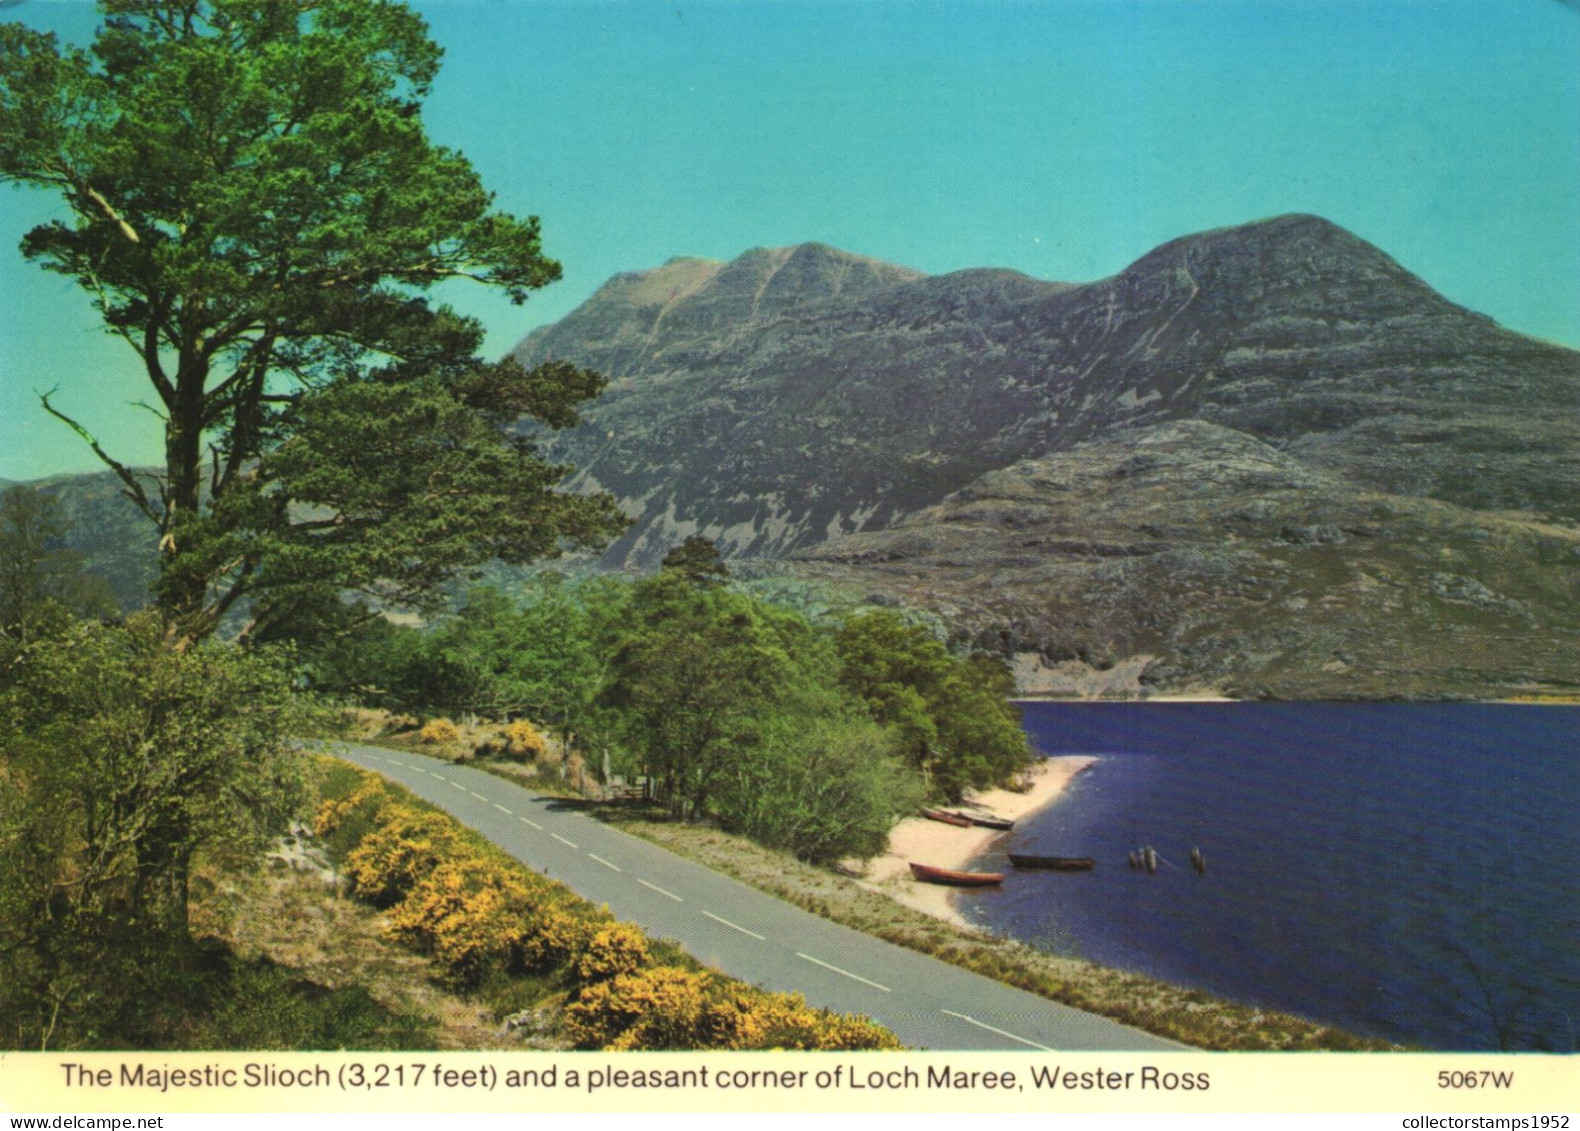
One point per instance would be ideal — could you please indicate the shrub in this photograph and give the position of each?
(523, 740)
(390, 861)
(669, 1008)
(343, 822)
(619, 948)
(549, 759)
(439, 731)
(659, 1008)
(554, 938)
(468, 915)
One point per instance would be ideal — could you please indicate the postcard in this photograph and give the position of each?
(734, 556)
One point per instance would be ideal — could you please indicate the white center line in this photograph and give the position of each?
(847, 973)
(437, 774)
(1000, 1032)
(477, 795)
(606, 863)
(503, 810)
(561, 839)
(734, 926)
(458, 785)
(661, 891)
(534, 824)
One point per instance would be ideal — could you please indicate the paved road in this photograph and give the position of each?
(744, 932)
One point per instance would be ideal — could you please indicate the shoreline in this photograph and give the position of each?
(947, 846)
(1183, 697)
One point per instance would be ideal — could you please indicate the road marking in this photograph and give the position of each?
(561, 839)
(661, 891)
(1000, 1032)
(477, 795)
(606, 864)
(534, 824)
(503, 810)
(437, 774)
(847, 973)
(458, 786)
(734, 926)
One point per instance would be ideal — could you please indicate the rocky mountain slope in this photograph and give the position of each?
(1192, 557)
(1265, 459)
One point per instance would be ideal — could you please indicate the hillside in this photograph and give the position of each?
(1368, 490)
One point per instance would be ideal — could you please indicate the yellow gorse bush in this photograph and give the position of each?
(523, 740)
(619, 948)
(669, 1008)
(439, 731)
(477, 917)
(332, 814)
(392, 859)
(467, 915)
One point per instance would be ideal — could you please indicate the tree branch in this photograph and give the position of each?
(134, 489)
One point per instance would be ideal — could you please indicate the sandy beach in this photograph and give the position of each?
(932, 842)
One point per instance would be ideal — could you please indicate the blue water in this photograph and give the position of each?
(1407, 871)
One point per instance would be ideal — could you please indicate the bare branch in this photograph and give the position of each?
(134, 489)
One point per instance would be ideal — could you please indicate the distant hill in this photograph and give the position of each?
(851, 418)
(115, 541)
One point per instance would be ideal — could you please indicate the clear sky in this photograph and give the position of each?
(1062, 138)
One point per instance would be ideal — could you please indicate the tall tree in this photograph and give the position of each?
(255, 208)
(952, 714)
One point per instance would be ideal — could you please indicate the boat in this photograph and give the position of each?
(928, 874)
(947, 817)
(1002, 823)
(1056, 863)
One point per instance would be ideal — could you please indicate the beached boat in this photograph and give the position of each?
(1056, 863)
(1002, 823)
(928, 874)
(947, 817)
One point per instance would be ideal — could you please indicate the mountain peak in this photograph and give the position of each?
(1293, 265)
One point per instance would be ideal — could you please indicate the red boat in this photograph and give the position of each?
(947, 817)
(928, 874)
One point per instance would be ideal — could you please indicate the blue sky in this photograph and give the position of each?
(1062, 138)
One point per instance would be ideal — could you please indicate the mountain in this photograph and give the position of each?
(942, 439)
(101, 525)
(1188, 556)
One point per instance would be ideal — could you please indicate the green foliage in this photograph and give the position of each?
(252, 203)
(257, 1005)
(952, 715)
(123, 760)
(696, 680)
(42, 584)
(698, 560)
(826, 790)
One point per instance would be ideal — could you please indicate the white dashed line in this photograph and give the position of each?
(734, 926)
(437, 774)
(562, 840)
(477, 795)
(458, 786)
(503, 810)
(606, 864)
(661, 891)
(1000, 1032)
(846, 973)
(534, 824)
